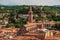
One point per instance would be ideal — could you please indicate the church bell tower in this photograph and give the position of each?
(30, 15)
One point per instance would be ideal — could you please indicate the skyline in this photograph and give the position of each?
(29, 2)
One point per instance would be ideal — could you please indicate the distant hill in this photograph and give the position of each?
(24, 8)
(57, 5)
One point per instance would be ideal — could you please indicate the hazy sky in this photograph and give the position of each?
(30, 2)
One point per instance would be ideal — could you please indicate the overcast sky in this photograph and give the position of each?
(30, 2)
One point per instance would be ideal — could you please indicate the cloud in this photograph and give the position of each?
(30, 2)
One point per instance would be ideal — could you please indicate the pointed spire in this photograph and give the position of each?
(30, 10)
(30, 17)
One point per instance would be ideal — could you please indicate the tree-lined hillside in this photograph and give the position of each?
(24, 9)
(49, 13)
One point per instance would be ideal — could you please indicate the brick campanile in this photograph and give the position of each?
(30, 15)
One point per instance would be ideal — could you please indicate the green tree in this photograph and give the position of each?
(9, 25)
(56, 26)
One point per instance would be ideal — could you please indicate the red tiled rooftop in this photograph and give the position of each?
(25, 38)
(53, 37)
(33, 34)
(10, 29)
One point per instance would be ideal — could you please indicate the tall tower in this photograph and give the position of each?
(30, 17)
